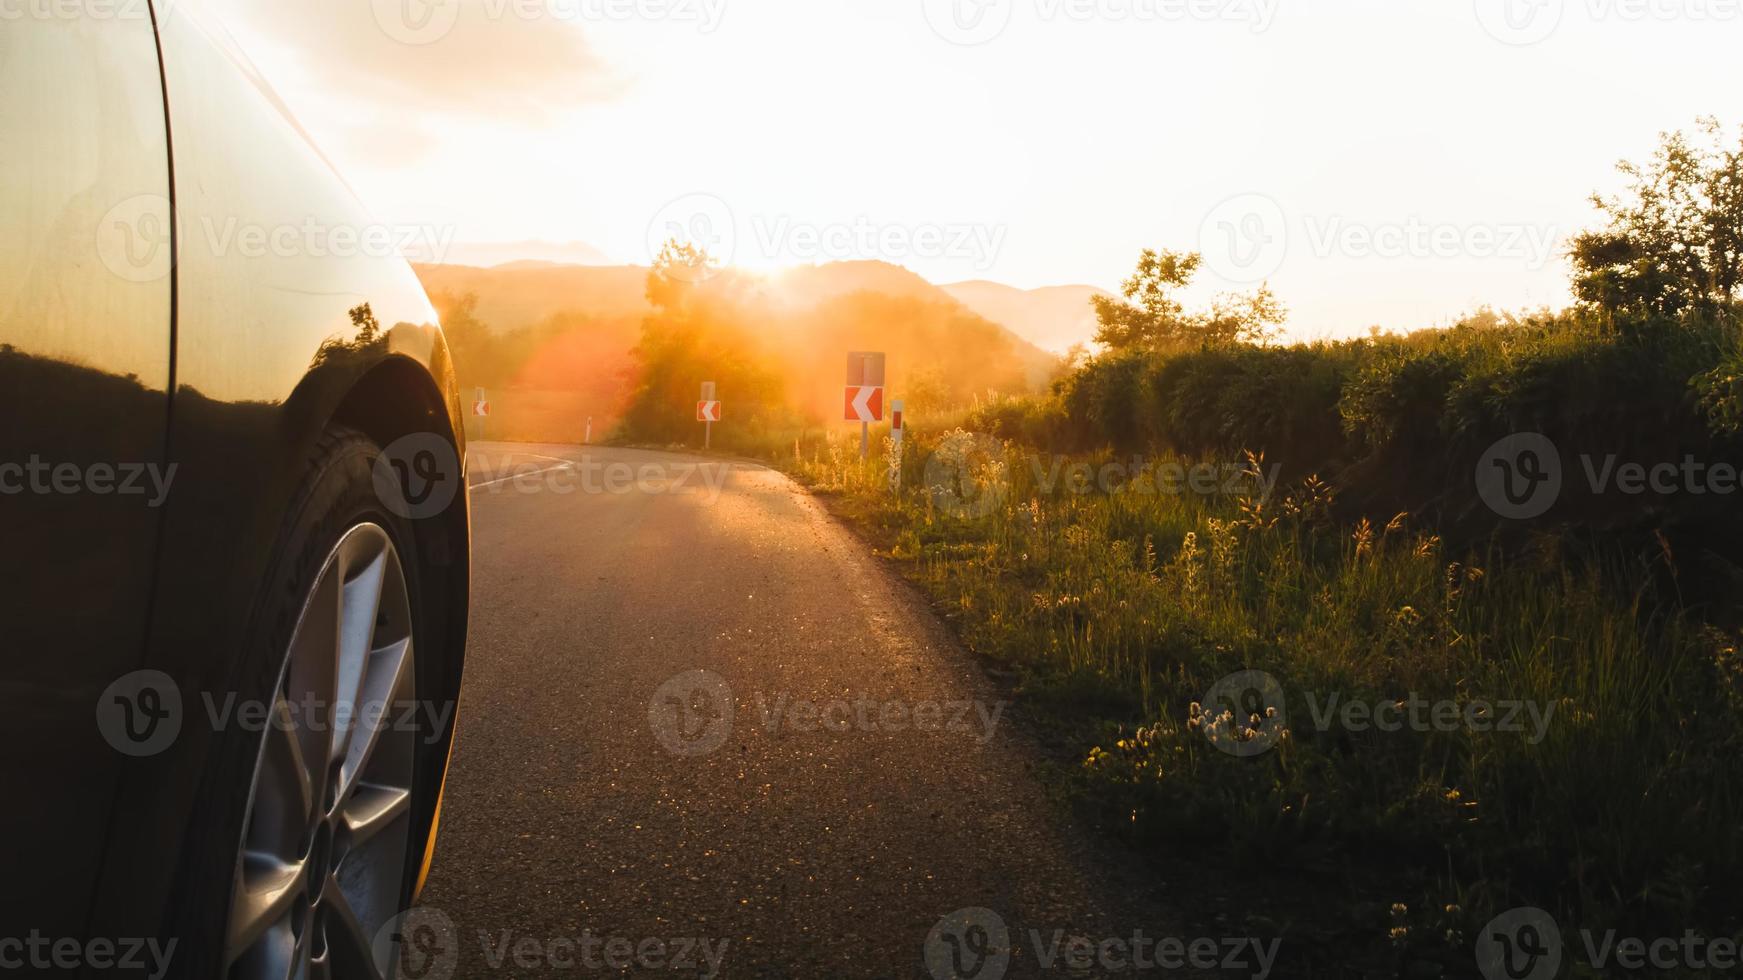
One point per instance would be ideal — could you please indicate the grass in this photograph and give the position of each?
(1119, 607)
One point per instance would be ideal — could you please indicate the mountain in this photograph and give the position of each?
(529, 292)
(552, 344)
(825, 286)
(492, 254)
(549, 343)
(812, 285)
(1052, 318)
(523, 294)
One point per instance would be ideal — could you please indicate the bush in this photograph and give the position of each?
(1400, 423)
(1102, 402)
(1039, 422)
(1611, 803)
(1280, 401)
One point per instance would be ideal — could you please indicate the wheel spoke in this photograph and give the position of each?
(360, 605)
(277, 955)
(312, 680)
(350, 951)
(386, 687)
(371, 810)
(269, 890)
(305, 956)
(284, 799)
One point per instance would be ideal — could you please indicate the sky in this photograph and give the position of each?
(1377, 162)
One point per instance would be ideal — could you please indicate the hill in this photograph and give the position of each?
(1052, 318)
(523, 294)
(561, 337)
(493, 254)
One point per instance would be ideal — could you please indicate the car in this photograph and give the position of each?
(233, 501)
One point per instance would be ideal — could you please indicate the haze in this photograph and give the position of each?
(1381, 163)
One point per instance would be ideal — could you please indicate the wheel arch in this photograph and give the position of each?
(393, 399)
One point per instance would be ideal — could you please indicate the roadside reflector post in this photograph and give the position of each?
(896, 446)
(481, 408)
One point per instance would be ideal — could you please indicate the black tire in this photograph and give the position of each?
(337, 495)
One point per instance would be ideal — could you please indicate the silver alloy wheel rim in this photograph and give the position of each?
(321, 866)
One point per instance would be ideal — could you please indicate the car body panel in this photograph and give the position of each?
(285, 314)
(85, 369)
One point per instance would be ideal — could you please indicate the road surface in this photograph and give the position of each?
(705, 732)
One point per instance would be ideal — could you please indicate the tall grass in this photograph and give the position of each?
(1122, 606)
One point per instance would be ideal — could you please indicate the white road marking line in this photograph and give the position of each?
(480, 457)
(516, 476)
(554, 459)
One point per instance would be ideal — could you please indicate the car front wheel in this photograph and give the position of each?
(322, 864)
(307, 843)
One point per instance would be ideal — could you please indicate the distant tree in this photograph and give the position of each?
(678, 268)
(694, 333)
(1150, 317)
(777, 348)
(1243, 319)
(1486, 317)
(470, 341)
(928, 392)
(1674, 242)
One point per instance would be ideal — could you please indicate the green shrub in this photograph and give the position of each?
(1120, 610)
(1280, 401)
(1399, 423)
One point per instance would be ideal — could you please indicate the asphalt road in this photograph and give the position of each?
(705, 732)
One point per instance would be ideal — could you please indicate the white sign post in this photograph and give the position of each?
(481, 408)
(708, 410)
(865, 394)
